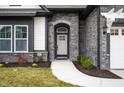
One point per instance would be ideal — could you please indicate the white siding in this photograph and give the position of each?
(39, 33)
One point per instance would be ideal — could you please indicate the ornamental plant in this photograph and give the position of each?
(21, 59)
(85, 62)
(39, 60)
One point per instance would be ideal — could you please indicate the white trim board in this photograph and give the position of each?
(39, 33)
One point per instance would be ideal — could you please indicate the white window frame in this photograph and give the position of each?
(7, 39)
(20, 39)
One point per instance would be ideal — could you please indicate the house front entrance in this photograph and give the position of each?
(61, 38)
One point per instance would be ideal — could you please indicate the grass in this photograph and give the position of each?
(29, 77)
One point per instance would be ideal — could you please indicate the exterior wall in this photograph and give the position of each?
(82, 37)
(104, 56)
(30, 56)
(88, 36)
(72, 20)
(21, 21)
(12, 57)
(105, 38)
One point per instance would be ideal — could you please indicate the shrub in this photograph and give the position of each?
(39, 59)
(21, 59)
(34, 65)
(1, 65)
(85, 62)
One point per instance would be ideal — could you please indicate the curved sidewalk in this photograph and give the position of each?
(66, 71)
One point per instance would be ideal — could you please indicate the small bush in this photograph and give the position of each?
(85, 62)
(34, 65)
(39, 59)
(1, 65)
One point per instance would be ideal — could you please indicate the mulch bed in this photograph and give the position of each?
(96, 72)
(42, 65)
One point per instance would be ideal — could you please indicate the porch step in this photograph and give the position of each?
(61, 58)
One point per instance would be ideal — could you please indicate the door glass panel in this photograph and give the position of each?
(62, 30)
(61, 37)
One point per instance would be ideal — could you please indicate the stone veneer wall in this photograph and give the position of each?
(88, 42)
(72, 20)
(105, 38)
(12, 57)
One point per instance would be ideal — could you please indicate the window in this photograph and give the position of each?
(114, 32)
(21, 38)
(5, 38)
(122, 31)
(62, 30)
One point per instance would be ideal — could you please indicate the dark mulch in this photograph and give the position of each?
(42, 65)
(96, 72)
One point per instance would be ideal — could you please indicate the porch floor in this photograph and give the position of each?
(66, 71)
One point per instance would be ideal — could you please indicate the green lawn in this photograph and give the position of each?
(29, 77)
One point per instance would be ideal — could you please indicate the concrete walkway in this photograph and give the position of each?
(66, 71)
(119, 72)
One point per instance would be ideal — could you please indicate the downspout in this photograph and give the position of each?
(98, 38)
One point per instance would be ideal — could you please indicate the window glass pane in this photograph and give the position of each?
(21, 32)
(18, 28)
(112, 32)
(116, 31)
(18, 32)
(21, 45)
(5, 31)
(24, 29)
(8, 32)
(5, 45)
(122, 31)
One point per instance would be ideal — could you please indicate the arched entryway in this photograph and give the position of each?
(61, 41)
